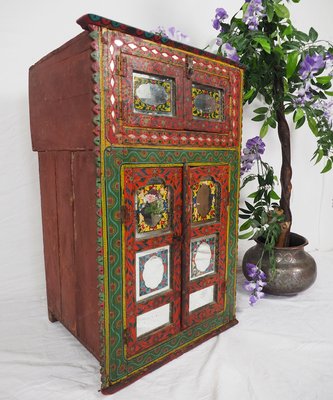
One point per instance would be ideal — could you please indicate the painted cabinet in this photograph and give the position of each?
(138, 140)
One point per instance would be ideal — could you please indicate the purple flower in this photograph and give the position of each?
(230, 52)
(303, 94)
(256, 144)
(253, 14)
(172, 33)
(256, 284)
(327, 107)
(220, 16)
(254, 147)
(251, 270)
(310, 66)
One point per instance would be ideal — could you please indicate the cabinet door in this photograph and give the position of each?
(152, 93)
(152, 254)
(207, 102)
(205, 231)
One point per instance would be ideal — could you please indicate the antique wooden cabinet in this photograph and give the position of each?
(138, 141)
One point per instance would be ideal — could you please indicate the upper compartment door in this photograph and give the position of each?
(152, 93)
(207, 102)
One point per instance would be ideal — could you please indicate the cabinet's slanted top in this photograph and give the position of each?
(93, 19)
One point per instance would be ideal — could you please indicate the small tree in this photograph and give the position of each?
(290, 71)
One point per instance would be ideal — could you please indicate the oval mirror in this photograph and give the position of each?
(152, 94)
(153, 271)
(205, 103)
(204, 202)
(203, 257)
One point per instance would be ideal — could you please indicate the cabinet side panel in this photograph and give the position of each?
(47, 174)
(84, 180)
(68, 272)
(60, 97)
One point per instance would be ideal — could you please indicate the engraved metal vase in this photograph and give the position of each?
(295, 268)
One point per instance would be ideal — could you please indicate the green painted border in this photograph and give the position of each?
(115, 158)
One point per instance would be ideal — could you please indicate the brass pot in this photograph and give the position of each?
(295, 268)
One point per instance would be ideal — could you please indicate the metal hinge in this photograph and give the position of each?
(189, 67)
(121, 63)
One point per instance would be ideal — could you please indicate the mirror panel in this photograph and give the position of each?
(207, 103)
(152, 320)
(153, 94)
(202, 256)
(204, 201)
(152, 272)
(201, 298)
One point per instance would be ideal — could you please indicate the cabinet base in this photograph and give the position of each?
(127, 381)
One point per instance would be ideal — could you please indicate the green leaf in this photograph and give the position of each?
(323, 79)
(245, 235)
(319, 156)
(303, 37)
(292, 63)
(257, 118)
(298, 114)
(244, 227)
(273, 195)
(264, 129)
(313, 125)
(328, 166)
(270, 12)
(249, 206)
(261, 110)
(288, 31)
(249, 94)
(271, 122)
(329, 93)
(264, 43)
(300, 122)
(281, 10)
(313, 34)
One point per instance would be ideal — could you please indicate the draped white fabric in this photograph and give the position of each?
(281, 349)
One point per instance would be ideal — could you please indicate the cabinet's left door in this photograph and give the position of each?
(152, 209)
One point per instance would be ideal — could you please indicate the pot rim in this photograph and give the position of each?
(295, 235)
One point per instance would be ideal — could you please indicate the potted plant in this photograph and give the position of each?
(290, 71)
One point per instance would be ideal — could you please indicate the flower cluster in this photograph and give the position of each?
(229, 51)
(256, 284)
(220, 16)
(253, 14)
(172, 33)
(253, 148)
(309, 67)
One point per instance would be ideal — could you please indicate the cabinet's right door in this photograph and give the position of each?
(206, 190)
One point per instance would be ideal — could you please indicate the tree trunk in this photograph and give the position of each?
(286, 171)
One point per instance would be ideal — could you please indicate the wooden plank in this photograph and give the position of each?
(47, 174)
(84, 180)
(65, 200)
(60, 97)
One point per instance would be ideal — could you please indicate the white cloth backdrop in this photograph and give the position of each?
(282, 349)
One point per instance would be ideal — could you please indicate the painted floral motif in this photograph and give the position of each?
(152, 95)
(206, 103)
(211, 215)
(152, 208)
(204, 263)
(145, 288)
